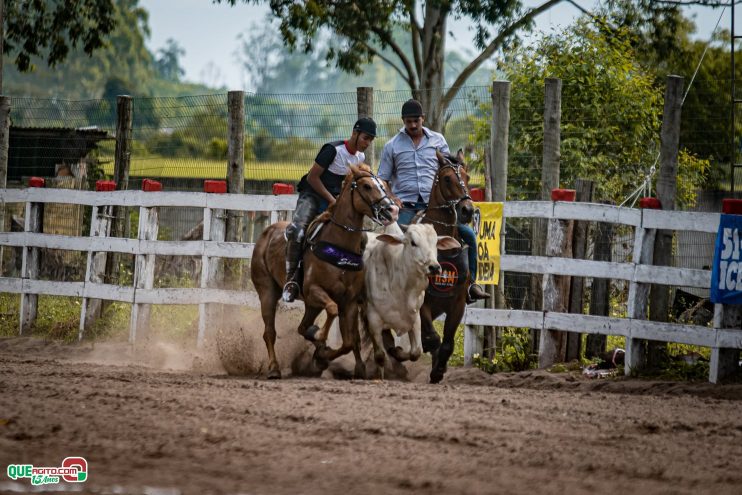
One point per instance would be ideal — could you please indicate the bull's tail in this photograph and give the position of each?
(363, 315)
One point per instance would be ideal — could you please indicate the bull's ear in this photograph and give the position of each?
(447, 242)
(392, 239)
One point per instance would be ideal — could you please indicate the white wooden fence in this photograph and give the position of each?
(724, 342)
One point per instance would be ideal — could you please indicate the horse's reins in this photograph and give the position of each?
(375, 206)
(451, 203)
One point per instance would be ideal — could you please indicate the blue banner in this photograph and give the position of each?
(726, 273)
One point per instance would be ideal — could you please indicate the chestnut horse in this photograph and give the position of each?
(335, 289)
(449, 205)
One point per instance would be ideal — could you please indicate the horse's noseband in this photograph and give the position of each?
(452, 203)
(377, 206)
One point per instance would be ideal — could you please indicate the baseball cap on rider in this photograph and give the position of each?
(367, 125)
(412, 108)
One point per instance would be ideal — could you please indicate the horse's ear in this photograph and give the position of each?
(460, 156)
(441, 158)
(354, 170)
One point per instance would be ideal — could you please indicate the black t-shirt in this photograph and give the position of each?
(334, 157)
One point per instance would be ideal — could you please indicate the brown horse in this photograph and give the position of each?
(449, 205)
(335, 288)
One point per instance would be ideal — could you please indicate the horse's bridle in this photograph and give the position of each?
(376, 206)
(451, 203)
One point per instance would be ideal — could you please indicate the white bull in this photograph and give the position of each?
(397, 268)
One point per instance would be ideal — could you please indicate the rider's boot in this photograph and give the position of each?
(475, 293)
(293, 253)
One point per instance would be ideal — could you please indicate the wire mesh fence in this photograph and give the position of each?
(181, 141)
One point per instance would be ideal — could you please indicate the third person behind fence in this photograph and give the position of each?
(318, 189)
(409, 164)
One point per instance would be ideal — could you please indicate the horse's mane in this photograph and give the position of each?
(325, 215)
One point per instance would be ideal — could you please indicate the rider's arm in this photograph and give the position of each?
(314, 180)
(386, 164)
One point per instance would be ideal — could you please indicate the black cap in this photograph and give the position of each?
(412, 108)
(367, 125)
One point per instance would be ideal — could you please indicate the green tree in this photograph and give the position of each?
(611, 115)
(360, 32)
(81, 76)
(167, 62)
(663, 44)
(48, 29)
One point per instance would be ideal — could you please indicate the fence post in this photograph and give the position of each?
(95, 267)
(725, 362)
(659, 297)
(144, 270)
(553, 343)
(499, 137)
(599, 296)
(211, 268)
(34, 222)
(365, 103)
(585, 190)
(549, 181)
(122, 163)
(644, 245)
(235, 180)
(4, 144)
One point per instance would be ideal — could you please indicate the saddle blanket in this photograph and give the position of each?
(337, 256)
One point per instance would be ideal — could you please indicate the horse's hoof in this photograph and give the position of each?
(360, 372)
(311, 333)
(321, 364)
(396, 353)
(320, 361)
(436, 376)
(274, 375)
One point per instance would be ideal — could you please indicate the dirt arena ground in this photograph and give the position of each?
(170, 422)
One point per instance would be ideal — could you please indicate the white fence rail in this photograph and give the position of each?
(637, 272)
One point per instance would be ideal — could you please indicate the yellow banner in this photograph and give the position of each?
(487, 223)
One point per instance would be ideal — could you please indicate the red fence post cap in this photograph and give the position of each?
(476, 193)
(650, 203)
(150, 185)
(105, 185)
(36, 182)
(563, 194)
(731, 206)
(215, 186)
(281, 188)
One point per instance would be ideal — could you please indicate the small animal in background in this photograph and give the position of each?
(612, 359)
(608, 364)
(63, 170)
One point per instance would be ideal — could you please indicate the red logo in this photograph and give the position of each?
(446, 280)
(78, 463)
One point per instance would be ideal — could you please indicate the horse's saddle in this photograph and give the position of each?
(454, 272)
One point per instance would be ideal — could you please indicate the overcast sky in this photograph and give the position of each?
(208, 32)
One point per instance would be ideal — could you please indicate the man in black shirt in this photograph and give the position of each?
(318, 190)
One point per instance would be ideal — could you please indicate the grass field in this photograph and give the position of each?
(202, 168)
